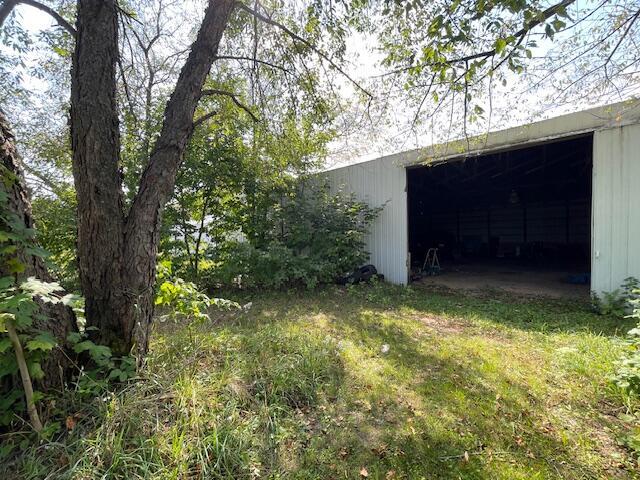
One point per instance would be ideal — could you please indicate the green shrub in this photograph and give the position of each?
(182, 300)
(628, 367)
(315, 238)
(618, 302)
(627, 375)
(609, 303)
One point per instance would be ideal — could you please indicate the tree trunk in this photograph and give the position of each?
(117, 256)
(56, 319)
(95, 141)
(142, 233)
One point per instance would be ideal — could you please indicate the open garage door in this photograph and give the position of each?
(518, 219)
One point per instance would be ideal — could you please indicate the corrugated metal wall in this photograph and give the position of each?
(616, 207)
(380, 182)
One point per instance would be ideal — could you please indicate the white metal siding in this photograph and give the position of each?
(616, 207)
(616, 192)
(377, 183)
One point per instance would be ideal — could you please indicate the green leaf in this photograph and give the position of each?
(549, 31)
(63, 52)
(83, 346)
(4, 318)
(74, 337)
(6, 282)
(100, 354)
(5, 344)
(37, 252)
(558, 25)
(6, 401)
(15, 266)
(8, 249)
(43, 341)
(35, 370)
(500, 45)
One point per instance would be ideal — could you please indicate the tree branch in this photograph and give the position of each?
(7, 7)
(544, 16)
(634, 18)
(520, 34)
(5, 10)
(251, 59)
(157, 182)
(45, 179)
(233, 97)
(204, 118)
(142, 224)
(305, 42)
(631, 20)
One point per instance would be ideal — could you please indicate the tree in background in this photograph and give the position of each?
(117, 277)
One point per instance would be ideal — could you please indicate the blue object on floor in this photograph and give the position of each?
(579, 279)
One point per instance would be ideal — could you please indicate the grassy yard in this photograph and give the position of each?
(373, 382)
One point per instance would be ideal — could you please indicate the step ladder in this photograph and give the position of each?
(431, 263)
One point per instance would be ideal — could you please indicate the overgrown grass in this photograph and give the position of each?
(472, 386)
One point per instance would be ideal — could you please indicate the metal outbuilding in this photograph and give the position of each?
(553, 210)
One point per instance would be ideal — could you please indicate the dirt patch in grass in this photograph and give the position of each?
(442, 325)
(492, 293)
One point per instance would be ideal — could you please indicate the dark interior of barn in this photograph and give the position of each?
(519, 211)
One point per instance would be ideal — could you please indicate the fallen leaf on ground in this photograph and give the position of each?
(70, 422)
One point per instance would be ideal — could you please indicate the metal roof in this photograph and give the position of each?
(572, 124)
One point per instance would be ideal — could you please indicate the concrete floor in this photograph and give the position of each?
(517, 279)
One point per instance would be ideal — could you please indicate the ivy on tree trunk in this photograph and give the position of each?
(56, 319)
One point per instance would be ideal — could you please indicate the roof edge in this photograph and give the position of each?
(599, 118)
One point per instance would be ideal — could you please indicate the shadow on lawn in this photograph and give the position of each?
(545, 315)
(424, 419)
(250, 392)
(489, 307)
(462, 412)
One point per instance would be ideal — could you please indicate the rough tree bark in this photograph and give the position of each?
(117, 255)
(95, 142)
(57, 319)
